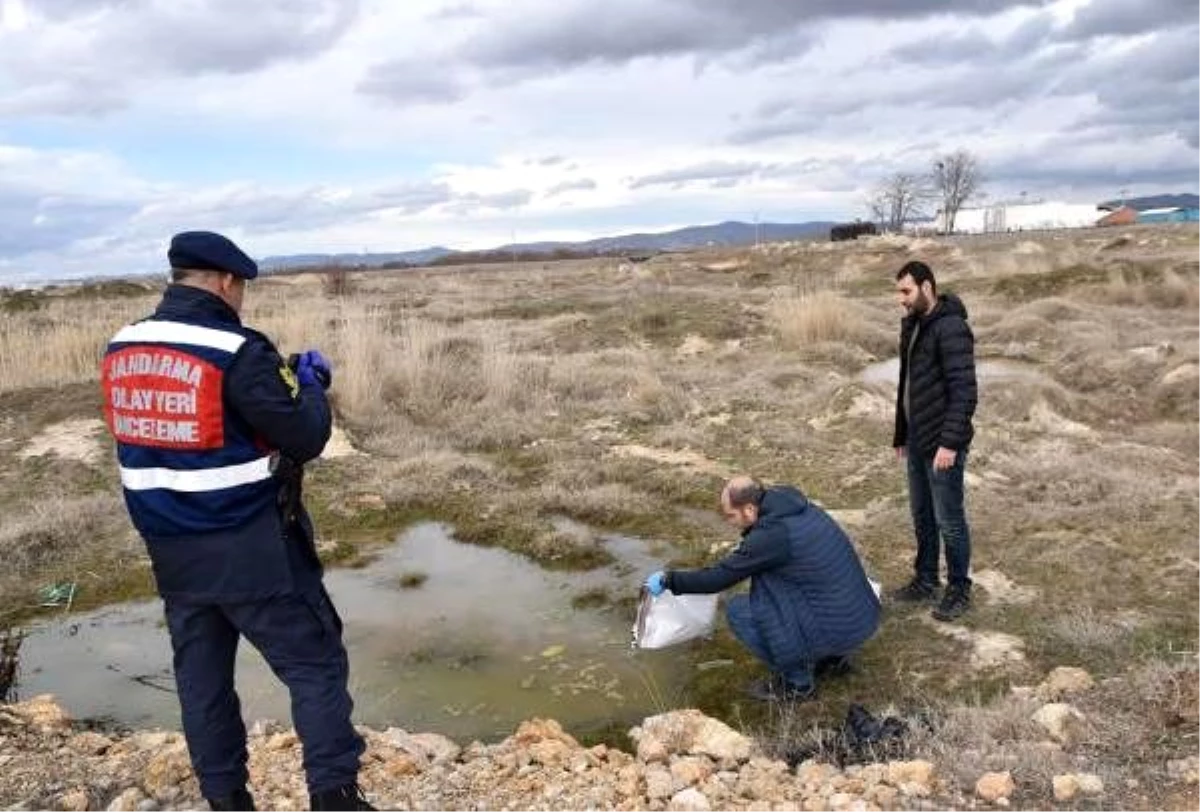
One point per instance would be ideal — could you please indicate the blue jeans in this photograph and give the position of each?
(939, 516)
(741, 623)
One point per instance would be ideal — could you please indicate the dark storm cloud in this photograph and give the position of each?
(581, 185)
(514, 47)
(224, 36)
(133, 40)
(723, 171)
(618, 32)
(411, 82)
(1123, 18)
(31, 221)
(974, 45)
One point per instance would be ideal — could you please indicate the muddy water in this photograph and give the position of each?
(486, 640)
(985, 370)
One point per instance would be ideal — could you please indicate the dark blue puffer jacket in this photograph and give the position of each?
(809, 594)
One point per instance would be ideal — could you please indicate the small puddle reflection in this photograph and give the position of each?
(486, 640)
(985, 369)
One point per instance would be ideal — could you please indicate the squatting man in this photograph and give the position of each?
(810, 604)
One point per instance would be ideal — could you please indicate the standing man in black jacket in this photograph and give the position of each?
(935, 401)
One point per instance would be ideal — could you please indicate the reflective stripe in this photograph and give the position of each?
(205, 479)
(172, 332)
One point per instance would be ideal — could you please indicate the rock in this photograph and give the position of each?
(911, 777)
(1062, 681)
(992, 787)
(282, 741)
(1068, 785)
(1153, 352)
(76, 800)
(90, 743)
(659, 784)
(438, 748)
(152, 741)
(689, 800)
(690, 771)
(813, 774)
(1185, 769)
(629, 781)
(1063, 722)
(1181, 374)
(43, 713)
(165, 772)
(690, 732)
(650, 749)
(264, 727)
(534, 730)
(550, 752)
(127, 800)
(1065, 787)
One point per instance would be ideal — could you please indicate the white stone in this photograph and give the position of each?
(689, 800)
(1062, 721)
(994, 786)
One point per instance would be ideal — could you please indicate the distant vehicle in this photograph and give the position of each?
(851, 231)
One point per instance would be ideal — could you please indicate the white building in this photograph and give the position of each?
(1023, 217)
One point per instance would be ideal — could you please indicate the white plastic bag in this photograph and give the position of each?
(669, 619)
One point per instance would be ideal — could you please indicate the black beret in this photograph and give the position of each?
(206, 251)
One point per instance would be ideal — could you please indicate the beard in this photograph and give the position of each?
(921, 305)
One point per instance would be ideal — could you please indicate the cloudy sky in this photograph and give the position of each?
(376, 125)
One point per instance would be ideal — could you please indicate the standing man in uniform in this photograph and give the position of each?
(935, 402)
(212, 430)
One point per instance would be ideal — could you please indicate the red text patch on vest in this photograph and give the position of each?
(163, 398)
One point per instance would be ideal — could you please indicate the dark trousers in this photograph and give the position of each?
(300, 637)
(741, 623)
(939, 516)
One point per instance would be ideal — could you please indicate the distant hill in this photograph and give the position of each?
(720, 234)
(421, 256)
(1187, 201)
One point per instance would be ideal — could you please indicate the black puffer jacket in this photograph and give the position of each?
(944, 392)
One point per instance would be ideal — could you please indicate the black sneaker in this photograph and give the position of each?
(837, 666)
(955, 603)
(239, 800)
(916, 591)
(774, 689)
(347, 797)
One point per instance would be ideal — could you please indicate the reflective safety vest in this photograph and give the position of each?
(188, 465)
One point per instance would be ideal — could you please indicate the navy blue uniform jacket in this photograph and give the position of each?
(809, 594)
(263, 557)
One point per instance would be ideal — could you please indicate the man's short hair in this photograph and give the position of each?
(745, 493)
(919, 271)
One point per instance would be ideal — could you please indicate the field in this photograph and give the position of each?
(498, 398)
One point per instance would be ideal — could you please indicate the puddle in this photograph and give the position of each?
(985, 370)
(486, 640)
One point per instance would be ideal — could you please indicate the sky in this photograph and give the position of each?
(298, 126)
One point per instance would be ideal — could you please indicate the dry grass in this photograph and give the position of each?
(808, 318)
(501, 399)
(1175, 289)
(60, 342)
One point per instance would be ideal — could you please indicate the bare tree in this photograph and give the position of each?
(956, 179)
(897, 199)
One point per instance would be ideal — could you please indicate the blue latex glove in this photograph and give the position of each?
(314, 368)
(656, 584)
